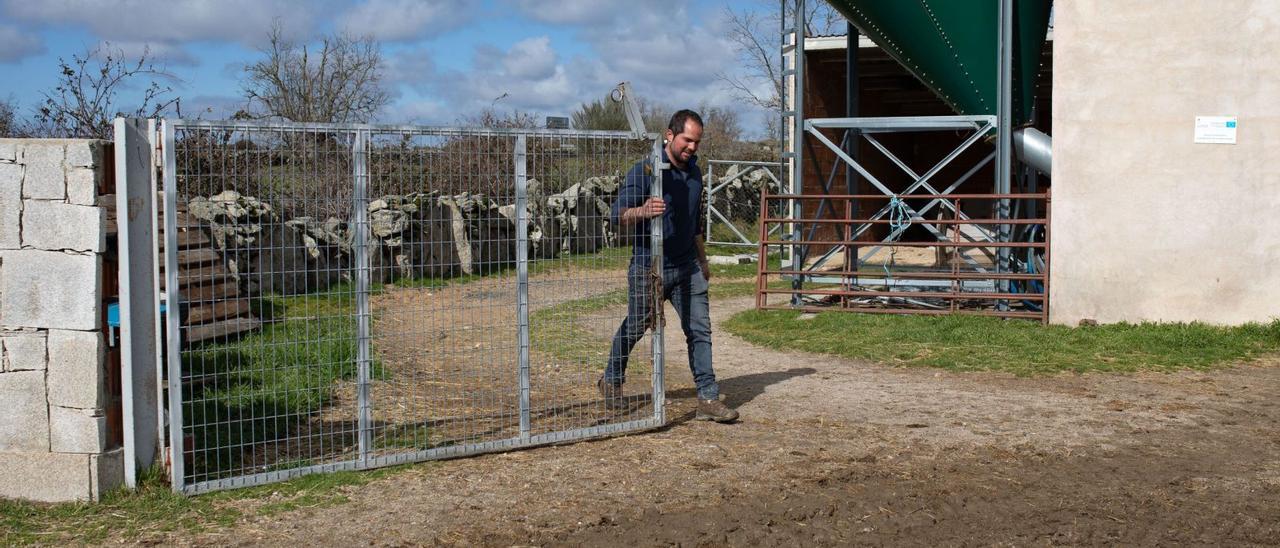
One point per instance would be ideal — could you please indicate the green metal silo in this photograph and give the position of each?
(950, 45)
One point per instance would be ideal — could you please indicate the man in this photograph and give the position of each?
(684, 264)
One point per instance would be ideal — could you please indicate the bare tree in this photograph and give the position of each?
(492, 118)
(83, 103)
(341, 82)
(721, 134)
(759, 43)
(8, 118)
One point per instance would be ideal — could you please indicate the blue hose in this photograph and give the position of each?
(1033, 286)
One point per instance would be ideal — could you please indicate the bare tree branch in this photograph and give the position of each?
(756, 33)
(83, 103)
(342, 83)
(9, 118)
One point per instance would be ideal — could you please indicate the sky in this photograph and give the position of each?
(444, 59)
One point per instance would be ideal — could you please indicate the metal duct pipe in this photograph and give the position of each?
(1034, 148)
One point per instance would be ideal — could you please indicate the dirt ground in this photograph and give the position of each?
(837, 452)
(443, 373)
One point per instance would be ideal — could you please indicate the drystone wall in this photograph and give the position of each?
(411, 236)
(424, 235)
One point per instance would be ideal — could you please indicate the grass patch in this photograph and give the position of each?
(730, 290)
(735, 271)
(408, 436)
(609, 258)
(966, 343)
(155, 510)
(558, 331)
(722, 249)
(720, 232)
(260, 385)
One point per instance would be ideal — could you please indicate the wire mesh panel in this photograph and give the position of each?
(444, 320)
(356, 296)
(267, 312)
(578, 287)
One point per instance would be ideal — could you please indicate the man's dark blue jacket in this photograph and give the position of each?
(682, 192)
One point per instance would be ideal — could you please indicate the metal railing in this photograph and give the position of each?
(959, 273)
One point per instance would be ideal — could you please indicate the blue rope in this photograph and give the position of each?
(899, 220)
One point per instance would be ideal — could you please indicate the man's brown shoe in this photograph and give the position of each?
(715, 410)
(612, 394)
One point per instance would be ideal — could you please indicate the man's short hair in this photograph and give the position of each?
(680, 117)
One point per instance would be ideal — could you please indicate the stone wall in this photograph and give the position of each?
(53, 434)
(411, 236)
(425, 234)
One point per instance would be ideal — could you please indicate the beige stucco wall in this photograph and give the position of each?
(1148, 225)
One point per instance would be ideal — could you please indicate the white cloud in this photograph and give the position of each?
(572, 12)
(669, 50)
(405, 19)
(413, 67)
(244, 21)
(531, 59)
(425, 112)
(668, 57)
(526, 76)
(158, 54)
(554, 92)
(15, 45)
(486, 57)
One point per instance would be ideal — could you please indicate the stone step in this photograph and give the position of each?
(219, 329)
(211, 312)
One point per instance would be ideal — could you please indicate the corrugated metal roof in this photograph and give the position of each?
(837, 41)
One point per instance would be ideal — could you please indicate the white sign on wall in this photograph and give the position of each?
(1216, 130)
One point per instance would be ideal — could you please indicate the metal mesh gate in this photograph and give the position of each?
(347, 297)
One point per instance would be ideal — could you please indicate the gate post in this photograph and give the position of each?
(1004, 139)
(173, 326)
(655, 249)
(360, 245)
(522, 280)
(135, 196)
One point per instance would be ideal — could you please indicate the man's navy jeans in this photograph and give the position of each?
(686, 287)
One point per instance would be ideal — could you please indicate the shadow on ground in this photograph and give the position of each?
(739, 390)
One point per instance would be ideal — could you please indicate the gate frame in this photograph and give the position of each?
(767, 167)
(360, 180)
